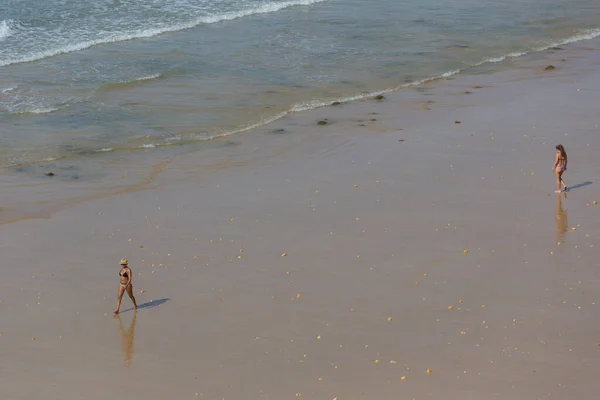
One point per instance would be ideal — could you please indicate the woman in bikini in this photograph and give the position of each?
(560, 166)
(125, 275)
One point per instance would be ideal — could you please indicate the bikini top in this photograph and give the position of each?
(124, 275)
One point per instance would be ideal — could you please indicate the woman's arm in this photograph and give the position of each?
(130, 274)
(555, 162)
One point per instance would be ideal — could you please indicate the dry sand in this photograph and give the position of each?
(422, 257)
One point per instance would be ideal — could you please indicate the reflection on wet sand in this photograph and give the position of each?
(127, 340)
(561, 219)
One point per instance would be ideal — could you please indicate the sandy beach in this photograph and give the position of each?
(410, 248)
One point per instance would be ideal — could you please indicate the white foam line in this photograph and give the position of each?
(265, 121)
(311, 105)
(13, 162)
(41, 110)
(147, 78)
(587, 34)
(263, 9)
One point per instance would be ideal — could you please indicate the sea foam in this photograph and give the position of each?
(132, 82)
(39, 110)
(147, 78)
(5, 29)
(147, 33)
(587, 34)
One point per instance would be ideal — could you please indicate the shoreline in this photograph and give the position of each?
(409, 248)
(113, 183)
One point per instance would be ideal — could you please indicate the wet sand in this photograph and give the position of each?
(412, 257)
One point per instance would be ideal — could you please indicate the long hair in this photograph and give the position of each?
(563, 152)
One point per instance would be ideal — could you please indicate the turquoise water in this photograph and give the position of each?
(84, 82)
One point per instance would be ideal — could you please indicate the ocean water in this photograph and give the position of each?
(85, 82)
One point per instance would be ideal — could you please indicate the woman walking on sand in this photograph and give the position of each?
(560, 166)
(125, 275)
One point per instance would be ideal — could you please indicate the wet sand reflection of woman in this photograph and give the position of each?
(561, 219)
(127, 340)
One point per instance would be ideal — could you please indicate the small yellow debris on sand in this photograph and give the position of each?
(450, 307)
(403, 378)
(573, 229)
(389, 319)
(283, 254)
(355, 186)
(428, 371)
(376, 361)
(465, 251)
(298, 296)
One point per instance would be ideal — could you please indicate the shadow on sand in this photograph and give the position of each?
(149, 304)
(579, 185)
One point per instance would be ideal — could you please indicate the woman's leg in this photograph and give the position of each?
(119, 297)
(558, 179)
(561, 179)
(130, 293)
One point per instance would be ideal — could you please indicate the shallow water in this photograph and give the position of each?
(86, 84)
